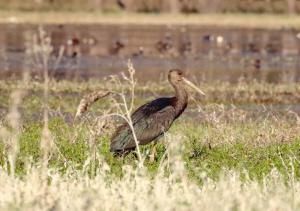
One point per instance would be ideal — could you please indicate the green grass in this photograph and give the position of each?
(199, 156)
(217, 138)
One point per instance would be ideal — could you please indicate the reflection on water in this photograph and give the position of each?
(206, 53)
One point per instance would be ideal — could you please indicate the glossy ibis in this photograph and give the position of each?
(154, 118)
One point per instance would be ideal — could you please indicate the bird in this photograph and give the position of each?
(151, 120)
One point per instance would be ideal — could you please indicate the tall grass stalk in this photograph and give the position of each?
(124, 110)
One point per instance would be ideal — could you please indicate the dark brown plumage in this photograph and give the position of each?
(152, 119)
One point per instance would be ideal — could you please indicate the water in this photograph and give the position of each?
(205, 53)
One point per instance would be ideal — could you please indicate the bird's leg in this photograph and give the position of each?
(135, 155)
(153, 152)
(123, 159)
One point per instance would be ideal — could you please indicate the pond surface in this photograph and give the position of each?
(205, 53)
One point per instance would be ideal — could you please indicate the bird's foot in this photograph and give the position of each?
(152, 158)
(153, 154)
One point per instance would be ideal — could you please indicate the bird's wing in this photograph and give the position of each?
(149, 121)
(154, 125)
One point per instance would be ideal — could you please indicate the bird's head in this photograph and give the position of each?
(176, 76)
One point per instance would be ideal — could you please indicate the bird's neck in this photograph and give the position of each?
(180, 99)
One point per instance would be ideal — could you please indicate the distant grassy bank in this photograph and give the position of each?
(158, 6)
(224, 20)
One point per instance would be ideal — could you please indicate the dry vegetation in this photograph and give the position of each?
(136, 191)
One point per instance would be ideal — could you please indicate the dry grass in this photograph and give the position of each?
(136, 191)
(224, 20)
(88, 100)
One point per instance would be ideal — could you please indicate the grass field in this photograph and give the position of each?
(226, 20)
(237, 148)
(232, 149)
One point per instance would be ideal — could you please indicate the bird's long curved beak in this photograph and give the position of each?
(193, 86)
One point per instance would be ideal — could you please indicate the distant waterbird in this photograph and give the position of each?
(154, 118)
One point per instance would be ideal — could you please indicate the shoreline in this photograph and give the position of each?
(263, 21)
